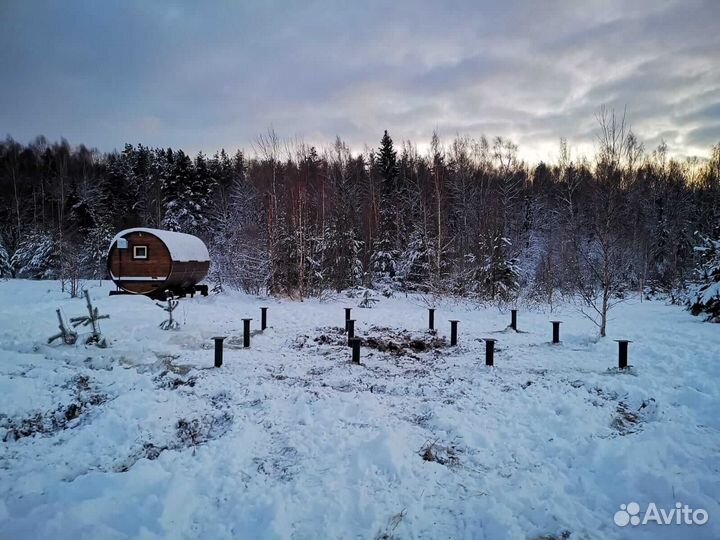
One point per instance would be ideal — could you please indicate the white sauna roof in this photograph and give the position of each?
(183, 247)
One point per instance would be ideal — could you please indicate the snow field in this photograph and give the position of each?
(291, 441)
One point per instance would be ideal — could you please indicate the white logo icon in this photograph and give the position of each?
(627, 514)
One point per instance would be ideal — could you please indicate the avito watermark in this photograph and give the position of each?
(680, 514)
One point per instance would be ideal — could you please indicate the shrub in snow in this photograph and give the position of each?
(238, 249)
(704, 296)
(36, 256)
(5, 267)
(367, 300)
(70, 268)
(94, 250)
(169, 323)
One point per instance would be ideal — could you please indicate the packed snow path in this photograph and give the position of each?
(289, 440)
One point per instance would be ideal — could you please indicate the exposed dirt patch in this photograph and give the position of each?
(148, 450)
(331, 336)
(282, 465)
(628, 420)
(438, 453)
(200, 430)
(383, 339)
(166, 362)
(188, 433)
(63, 417)
(401, 342)
(563, 535)
(169, 381)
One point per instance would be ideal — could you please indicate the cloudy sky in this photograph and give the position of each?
(205, 75)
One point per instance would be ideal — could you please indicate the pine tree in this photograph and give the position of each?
(387, 165)
(78, 209)
(497, 275)
(705, 294)
(176, 189)
(413, 263)
(115, 194)
(202, 189)
(141, 183)
(437, 249)
(385, 255)
(341, 246)
(221, 170)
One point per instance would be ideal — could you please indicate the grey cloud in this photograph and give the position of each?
(207, 75)
(705, 113)
(705, 136)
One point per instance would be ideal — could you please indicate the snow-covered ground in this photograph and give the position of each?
(146, 439)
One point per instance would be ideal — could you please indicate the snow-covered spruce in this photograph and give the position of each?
(704, 295)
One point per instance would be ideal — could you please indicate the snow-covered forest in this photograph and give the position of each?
(465, 217)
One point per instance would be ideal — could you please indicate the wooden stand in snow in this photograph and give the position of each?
(68, 335)
(92, 319)
(170, 323)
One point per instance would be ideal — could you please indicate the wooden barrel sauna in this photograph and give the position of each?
(152, 261)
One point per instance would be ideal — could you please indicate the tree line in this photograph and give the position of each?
(467, 216)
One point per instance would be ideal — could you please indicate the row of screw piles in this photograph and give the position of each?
(354, 342)
(490, 343)
(246, 336)
(622, 345)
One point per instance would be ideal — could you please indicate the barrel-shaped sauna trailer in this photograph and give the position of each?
(153, 261)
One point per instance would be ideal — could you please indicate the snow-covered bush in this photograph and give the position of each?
(95, 249)
(704, 296)
(5, 267)
(413, 268)
(71, 269)
(36, 256)
(384, 264)
(493, 275)
(367, 300)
